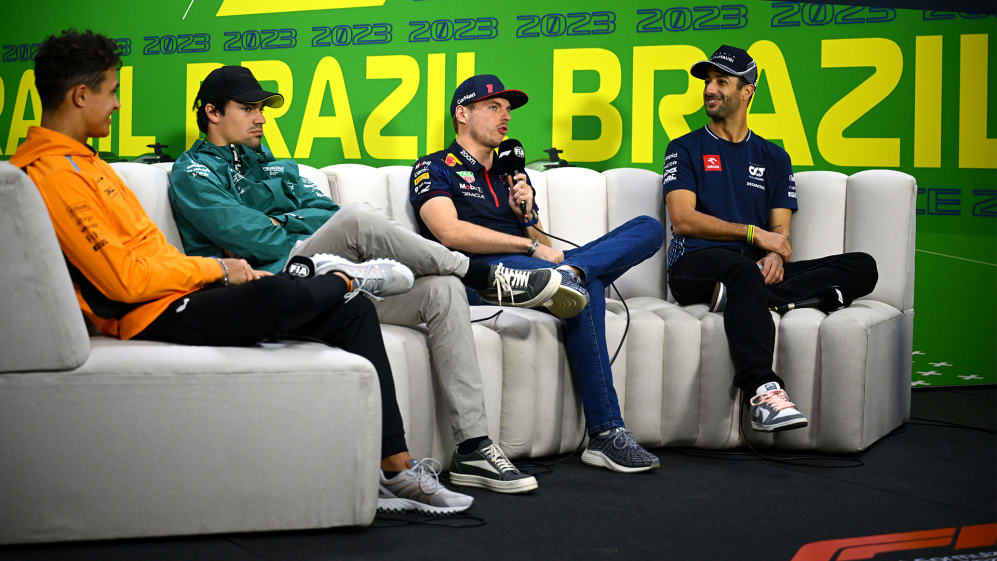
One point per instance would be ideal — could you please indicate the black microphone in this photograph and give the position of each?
(512, 160)
(827, 301)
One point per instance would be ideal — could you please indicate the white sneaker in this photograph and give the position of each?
(376, 278)
(418, 488)
(772, 411)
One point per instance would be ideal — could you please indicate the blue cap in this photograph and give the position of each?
(484, 86)
(729, 60)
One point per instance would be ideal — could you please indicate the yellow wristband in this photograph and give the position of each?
(751, 234)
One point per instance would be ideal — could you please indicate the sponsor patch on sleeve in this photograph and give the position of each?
(198, 170)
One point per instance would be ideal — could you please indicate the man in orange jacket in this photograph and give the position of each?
(131, 283)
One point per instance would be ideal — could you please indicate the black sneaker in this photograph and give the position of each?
(522, 288)
(619, 451)
(489, 468)
(719, 300)
(570, 298)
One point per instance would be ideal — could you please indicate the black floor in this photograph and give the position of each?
(922, 477)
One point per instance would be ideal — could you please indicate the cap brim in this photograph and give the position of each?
(516, 98)
(699, 69)
(270, 99)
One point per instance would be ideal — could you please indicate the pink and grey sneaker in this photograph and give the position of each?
(772, 411)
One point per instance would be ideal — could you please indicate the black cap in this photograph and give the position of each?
(238, 83)
(484, 86)
(729, 60)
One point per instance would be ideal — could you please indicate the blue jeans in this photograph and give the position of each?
(601, 261)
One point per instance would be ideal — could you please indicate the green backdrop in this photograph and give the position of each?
(841, 88)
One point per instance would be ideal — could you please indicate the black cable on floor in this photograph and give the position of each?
(456, 521)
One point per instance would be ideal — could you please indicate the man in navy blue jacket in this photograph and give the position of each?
(462, 200)
(730, 195)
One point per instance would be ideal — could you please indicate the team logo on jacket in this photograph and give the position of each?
(756, 172)
(451, 160)
(466, 176)
(711, 162)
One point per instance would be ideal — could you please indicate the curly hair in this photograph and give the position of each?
(71, 59)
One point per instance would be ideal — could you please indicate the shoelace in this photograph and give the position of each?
(508, 279)
(495, 454)
(628, 440)
(427, 473)
(777, 399)
(369, 283)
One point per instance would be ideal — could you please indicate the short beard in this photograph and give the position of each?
(724, 110)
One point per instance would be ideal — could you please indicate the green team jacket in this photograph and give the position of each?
(218, 208)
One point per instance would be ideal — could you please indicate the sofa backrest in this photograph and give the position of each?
(880, 220)
(150, 183)
(871, 211)
(41, 326)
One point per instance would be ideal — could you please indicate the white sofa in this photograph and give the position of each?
(849, 371)
(101, 438)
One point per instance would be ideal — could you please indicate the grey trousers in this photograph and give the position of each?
(358, 232)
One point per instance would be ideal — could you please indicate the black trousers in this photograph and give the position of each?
(286, 307)
(747, 321)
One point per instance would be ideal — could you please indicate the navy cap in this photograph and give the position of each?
(238, 83)
(729, 60)
(484, 86)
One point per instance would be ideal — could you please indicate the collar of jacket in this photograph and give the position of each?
(247, 154)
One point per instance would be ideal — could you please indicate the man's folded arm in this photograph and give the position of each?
(228, 223)
(688, 221)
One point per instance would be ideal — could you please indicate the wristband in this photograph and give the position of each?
(533, 247)
(528, 223)
(751, 234)
(224, 268)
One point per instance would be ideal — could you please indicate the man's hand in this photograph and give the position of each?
(520, 191)
(240, 272)
(548, 253)
(771, 266)
(773, 241)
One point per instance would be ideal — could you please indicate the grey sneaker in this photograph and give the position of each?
(772, 411)
(489, 468)
(523, 288)
(418, 488)
(719, 300)
(375, 278)
(619, 451)
(570, 299)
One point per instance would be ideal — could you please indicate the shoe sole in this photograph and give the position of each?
(567, 303)
(549, 291)
(524, 485)
(718, 302)
(598, 459)
(408, 505)
(785, 425)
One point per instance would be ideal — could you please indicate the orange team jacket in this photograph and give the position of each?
(124, 271)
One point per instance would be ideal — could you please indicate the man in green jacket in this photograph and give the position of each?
(231, 197)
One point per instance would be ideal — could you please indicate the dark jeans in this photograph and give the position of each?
(282, 306)
(747, 321)
(602, 261)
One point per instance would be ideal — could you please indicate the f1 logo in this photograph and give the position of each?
(711, 162)
(853, 549)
